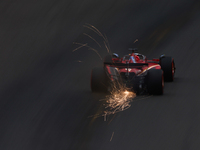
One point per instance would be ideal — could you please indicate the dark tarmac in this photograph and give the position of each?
(45, 97)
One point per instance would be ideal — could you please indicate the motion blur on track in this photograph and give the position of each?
(45, 99)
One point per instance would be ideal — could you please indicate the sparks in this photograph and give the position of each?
(92, 39)
(94, 29)
(111, 137)
(105, 39)
(119, 100)
(135, 41)
(89, 48)
(120, 97)
(126, 92)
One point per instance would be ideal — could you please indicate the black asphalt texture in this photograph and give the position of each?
(45, 98)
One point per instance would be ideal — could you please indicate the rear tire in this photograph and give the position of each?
(99, 80)
(168, 66)
(155, 81)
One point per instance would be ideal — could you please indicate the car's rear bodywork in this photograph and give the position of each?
(138, 74)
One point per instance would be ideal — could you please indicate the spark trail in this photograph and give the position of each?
(89, 48)
(105, 40)
(106, 43)
(119, 98)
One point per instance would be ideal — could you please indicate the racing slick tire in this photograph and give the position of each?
(155, 81)
(168, 66)
(99, 80)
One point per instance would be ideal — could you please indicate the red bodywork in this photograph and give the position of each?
(143, 64)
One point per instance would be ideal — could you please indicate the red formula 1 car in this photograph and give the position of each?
(134, 72)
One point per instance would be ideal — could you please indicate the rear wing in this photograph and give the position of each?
(131, 65)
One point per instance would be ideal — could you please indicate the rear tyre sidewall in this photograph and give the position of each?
(155, 81)
(168, 67)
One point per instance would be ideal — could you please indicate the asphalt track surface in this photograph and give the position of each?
(45, 97)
